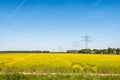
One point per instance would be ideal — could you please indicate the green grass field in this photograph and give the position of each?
(66, 65)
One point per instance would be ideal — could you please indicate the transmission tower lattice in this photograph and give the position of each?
(86, 39)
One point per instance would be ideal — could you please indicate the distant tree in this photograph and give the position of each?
(85, 51)
(117, 51)
(110, 50)
(72, 51)
(94, 51)
(104, 51)
(114, 51)
(97, 51)
(45, 51)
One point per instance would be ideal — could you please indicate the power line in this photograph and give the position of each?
(108, 44)
(59, 49)
(86, 39)
(76, 44)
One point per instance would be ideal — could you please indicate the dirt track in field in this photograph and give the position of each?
(89, 74)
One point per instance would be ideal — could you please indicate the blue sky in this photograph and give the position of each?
(48, 24)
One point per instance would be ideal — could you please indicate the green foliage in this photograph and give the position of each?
(97, 51)
(85, 51)
(38, 51)
(17, 76)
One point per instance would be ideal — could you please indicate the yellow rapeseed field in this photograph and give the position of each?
(59, 63)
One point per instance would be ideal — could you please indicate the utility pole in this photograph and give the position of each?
(76, 44)
(86, 39)
(59, 49)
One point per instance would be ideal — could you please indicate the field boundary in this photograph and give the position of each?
(89, 74)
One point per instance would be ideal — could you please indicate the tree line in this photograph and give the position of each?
(84, 51)
(25, 51)
(97, 51)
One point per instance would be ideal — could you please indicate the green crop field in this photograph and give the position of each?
(69, 66)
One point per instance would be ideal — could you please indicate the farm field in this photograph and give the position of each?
(68, 66)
